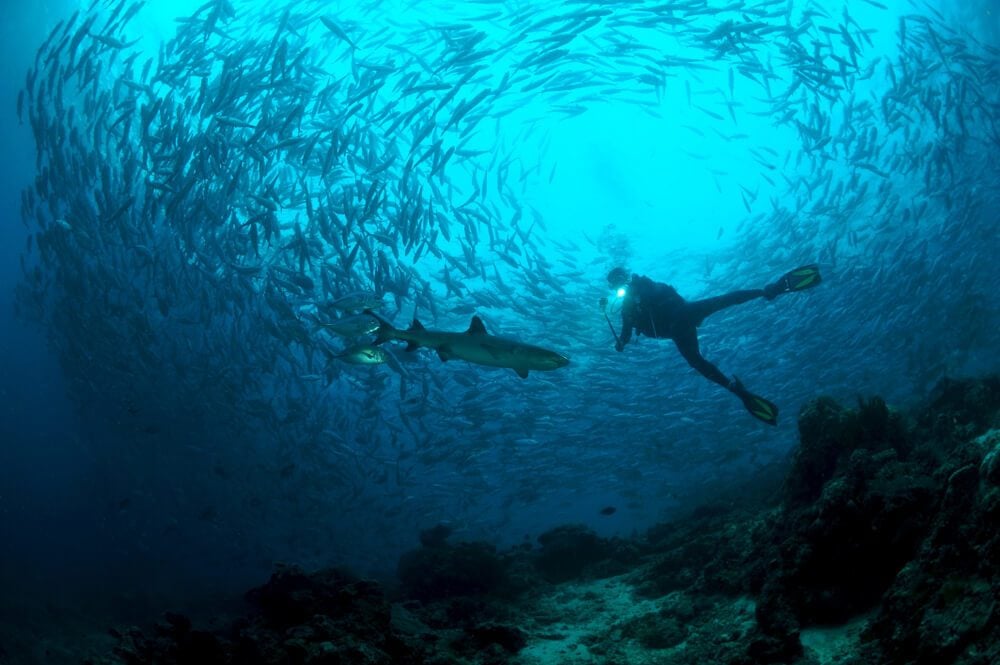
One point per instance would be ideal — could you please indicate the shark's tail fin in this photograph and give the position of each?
(385, 329)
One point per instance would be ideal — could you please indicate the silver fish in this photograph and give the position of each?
(364, 354)
(352, 326)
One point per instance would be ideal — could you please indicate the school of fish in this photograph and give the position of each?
(210, 221)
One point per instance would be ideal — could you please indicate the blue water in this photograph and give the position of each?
(158, 438)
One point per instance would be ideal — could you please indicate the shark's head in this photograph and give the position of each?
(553, 360)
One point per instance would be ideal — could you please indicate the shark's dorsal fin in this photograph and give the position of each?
(414, 327)
(476, 327)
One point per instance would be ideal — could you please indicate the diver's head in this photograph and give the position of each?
(618, 278)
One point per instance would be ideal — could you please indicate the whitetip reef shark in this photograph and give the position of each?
(475, 345)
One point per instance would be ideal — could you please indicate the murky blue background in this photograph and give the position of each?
(130, 491)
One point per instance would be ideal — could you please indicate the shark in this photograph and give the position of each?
(475, 345)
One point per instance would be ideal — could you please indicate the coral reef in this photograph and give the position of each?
(444, 571)
(573, 551)
(880, 546)
(324, 617)
(887, 516)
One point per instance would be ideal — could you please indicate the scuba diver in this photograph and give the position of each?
(656, 310)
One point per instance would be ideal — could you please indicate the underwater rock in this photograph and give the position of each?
(406, 622)
(943, 607)
(435, 536)
(680, 606)
(444, 571)
(656, 630)
(768, 649)
(312, 618)
(829, 433)
(989, 471)
(292, 596)
(822, 423)
(876, 516)
(833, 558)
(522, 573)
(960, 409)
(174, 624)
(327, 616)
(509, 638)
(931, 619)
(704, 552)
(173, 642)
(620, 556)
(777, 637)
(567, 551)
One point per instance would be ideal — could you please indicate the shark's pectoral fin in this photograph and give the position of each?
(523, 373)
(444, 353)
(412, 346)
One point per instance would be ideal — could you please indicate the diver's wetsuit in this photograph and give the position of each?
(655, 309)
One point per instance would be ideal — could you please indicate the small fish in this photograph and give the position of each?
(352, 326)
(608, 510)
(359, 300)
(364, 354)
(337, 30)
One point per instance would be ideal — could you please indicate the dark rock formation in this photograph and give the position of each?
(878, 515)
(444, 571)
(435, 536)
(943, 606)
(320, 618)
(574, 551)
(485, 635)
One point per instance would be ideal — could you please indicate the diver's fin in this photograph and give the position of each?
(800, 279)
(523, 373)
(760, 408)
